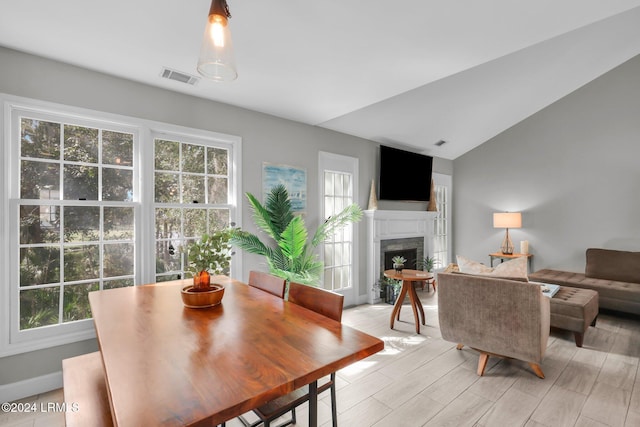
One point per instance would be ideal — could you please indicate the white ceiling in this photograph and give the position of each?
(405, 73)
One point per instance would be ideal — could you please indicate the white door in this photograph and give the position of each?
(339, 187)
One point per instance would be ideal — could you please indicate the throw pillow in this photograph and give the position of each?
(513, 269)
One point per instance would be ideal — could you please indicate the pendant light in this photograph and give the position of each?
(216, 61)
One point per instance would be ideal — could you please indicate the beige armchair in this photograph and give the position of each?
(497, 317)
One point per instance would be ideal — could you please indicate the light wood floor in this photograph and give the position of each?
(421, 380)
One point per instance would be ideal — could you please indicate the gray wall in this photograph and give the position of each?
(265, 139)
(573, 169)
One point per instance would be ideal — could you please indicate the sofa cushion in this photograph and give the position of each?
(515, 269)
(614, 295)
(620, 266)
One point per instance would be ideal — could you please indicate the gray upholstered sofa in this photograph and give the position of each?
(615, 275)
(494, 316)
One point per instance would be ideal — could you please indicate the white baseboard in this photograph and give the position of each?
(362, 299)
(30, 387)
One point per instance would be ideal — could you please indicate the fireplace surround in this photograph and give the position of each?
(395, 231)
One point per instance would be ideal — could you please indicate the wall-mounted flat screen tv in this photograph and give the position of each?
(404, 175)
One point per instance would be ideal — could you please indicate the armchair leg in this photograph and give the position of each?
(537, 369)
(579, 338)
(482, 363)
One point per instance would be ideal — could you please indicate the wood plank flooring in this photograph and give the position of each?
(421, 380)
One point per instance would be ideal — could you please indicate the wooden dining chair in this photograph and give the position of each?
(268, 283)
(321, 301)
(328, 304)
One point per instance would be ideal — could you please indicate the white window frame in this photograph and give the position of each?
(76, 328)
(445, 181)
(343, 164)
(199, 138)
(12, 339)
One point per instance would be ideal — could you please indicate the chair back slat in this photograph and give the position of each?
(268, 283)
(321, 301)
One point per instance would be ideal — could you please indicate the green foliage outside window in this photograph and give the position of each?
(191, 196)
(68, 250)
(76, 232)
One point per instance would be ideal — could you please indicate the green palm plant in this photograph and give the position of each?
(289, 254)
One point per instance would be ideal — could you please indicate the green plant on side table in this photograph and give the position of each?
(398, 262)
(288, 252)
(211, 254)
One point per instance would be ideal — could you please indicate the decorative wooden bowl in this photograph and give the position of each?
(202, 299)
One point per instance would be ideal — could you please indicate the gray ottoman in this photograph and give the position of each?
(574, 309)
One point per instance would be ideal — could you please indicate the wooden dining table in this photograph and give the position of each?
(169, 365)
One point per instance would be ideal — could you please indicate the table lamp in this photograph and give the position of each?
(507, 220)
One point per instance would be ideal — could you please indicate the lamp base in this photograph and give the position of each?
(507, 245)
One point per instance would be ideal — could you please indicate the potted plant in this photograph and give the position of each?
(393, 290)
(288, 251)
(389, 289)
(209, 255)
(380, 287)
(427, 264)
(398, 262)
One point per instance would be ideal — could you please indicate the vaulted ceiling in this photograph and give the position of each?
(406, 73)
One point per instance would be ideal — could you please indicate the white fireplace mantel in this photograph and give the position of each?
(385, 225)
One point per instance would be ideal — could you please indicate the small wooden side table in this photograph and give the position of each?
(502, 257)
(408, 277)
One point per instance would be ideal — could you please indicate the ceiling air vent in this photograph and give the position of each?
(179, 76)
(440, 143)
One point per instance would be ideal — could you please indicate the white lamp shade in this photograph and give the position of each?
(507, 220)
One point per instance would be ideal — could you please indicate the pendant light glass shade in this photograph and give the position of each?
(216, 61)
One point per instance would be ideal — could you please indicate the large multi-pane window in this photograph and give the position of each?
(76, 217)
(97, 201)
(191, 182)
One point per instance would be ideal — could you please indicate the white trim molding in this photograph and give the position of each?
(385, 225)
(30, 387)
